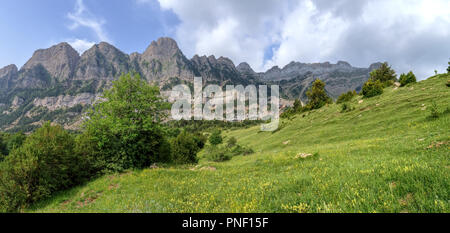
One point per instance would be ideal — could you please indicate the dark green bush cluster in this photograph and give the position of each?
(8, 142)
(385, 74)
(405, 79)
(345, 97)
(45, 163)
(317, 95)
(372, 88)
(380, 78)
(185, 146)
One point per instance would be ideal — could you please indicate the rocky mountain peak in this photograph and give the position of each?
(59, 60)
(7, 76)
(244, 67)
(163, 48)
(344, 64)
(102, 61)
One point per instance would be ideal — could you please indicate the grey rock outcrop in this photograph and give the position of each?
(60, 61)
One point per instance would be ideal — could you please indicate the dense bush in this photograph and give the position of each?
(45, 163)
(3, 146)
(448, 68)
(216, 137)
(345, 97)
(317, 96)
(407, 78)
(184, 148)
(372, 88)
(125, 130)
(385, 74)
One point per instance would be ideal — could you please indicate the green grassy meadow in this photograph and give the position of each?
(386, 155)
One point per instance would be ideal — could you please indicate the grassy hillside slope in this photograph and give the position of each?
(384, 156)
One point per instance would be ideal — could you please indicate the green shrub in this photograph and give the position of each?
(407, 78)
(184, 148)
(372, 88)
(216, 137)
(231, 142)
(200, 139)
(44, 164)
(385, 74)
(3, 146)
(317, 95)
(434, 111)
(345, 97)
(125, 131)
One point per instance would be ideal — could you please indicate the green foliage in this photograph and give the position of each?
(15, 141)
(345, 97)
(232, 141)
(385, 74)
(184, 148)
(448, 68)
(434, 111)
(317, 96)
(216, 137)
(44, 164)
(125, 131)
(372, 88)
(3, 146)
(407, 78)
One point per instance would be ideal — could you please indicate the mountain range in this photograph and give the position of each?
(57, 83)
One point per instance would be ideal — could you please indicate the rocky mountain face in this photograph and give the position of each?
(295, 78)
(57, 83)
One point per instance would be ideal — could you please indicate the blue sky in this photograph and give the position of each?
(28, 25)
(409, 34)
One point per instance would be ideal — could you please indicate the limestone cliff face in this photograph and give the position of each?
(8, 75)
(163, 60)
(66, 101)
(60, 61)
(102, 62)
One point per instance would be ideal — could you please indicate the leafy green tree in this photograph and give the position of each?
(448, 68)
(125, 129)
(372, 88)
(15, 141)
(407, 78)
(216, 137)
(385, 74)
(3, 146)
(184, 148)
(317, 96)
(297, 105)
(44, 164)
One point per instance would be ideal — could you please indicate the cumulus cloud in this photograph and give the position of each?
(409, 34)
(81, 17)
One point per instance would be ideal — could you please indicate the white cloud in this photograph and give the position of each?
(81, 17)
(80, 45)
(411, 35)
